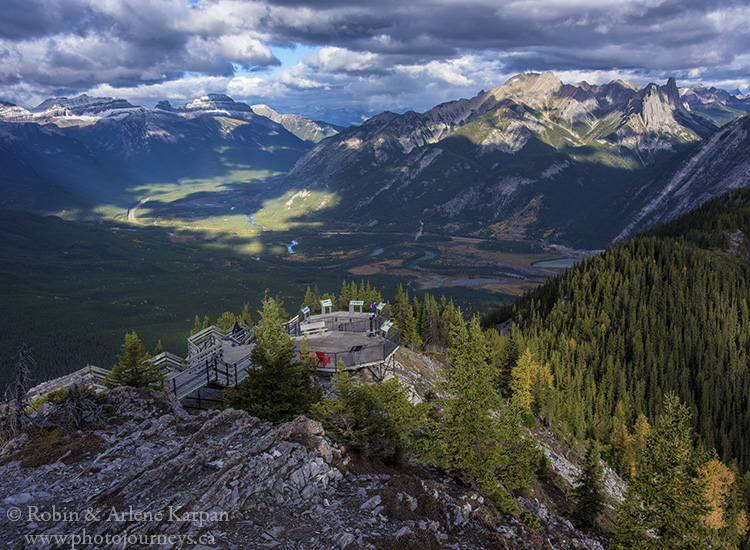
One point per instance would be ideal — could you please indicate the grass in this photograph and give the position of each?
(288, 212)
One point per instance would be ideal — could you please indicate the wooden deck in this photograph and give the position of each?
(343, 346)
(218, 358)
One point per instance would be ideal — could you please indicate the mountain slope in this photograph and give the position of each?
(149, 472)
(658, 313)
(84, 153)
(516, 160)
(716, 165)
(303, 128)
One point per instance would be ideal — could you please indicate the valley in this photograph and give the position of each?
(198, 210)
(424, 261)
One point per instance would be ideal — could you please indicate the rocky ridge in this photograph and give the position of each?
(303, 128)
(84, 110)
(535, 151)
(711, 168)
(225, 480)
(719, 164)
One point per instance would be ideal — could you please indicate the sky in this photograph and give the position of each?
(349, 59)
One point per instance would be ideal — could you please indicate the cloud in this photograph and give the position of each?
(369, 54)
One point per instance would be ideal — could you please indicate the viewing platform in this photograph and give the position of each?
(219, 358)
(358, 339)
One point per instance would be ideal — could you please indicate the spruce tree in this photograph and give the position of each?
(196, 326)
(490, 447)
(132, 368)
(279, 388)
(665, 503)
(588, 494)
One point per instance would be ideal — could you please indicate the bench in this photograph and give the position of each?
(318, 327)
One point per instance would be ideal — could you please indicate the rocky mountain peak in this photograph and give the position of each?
(80, 106)
(534, 89)
(266, 111)
(164, 105)
(217, 102)
(657, 108)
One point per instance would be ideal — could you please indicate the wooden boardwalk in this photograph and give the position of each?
(219, 358)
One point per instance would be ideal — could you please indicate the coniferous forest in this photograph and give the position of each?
(668, 311)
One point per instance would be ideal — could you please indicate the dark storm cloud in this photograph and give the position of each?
(459, 45)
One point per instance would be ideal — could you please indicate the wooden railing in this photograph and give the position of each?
(90, 375)
(207, 367)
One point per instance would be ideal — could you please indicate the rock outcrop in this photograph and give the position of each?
(152, 476)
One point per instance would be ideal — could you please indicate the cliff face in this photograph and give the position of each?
(226, 480)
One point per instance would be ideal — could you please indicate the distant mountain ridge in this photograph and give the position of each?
(83, 152)
(518, 160)
(534, 158)
(84, 109)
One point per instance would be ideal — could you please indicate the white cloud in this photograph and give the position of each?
(403, 54)
(332, 59)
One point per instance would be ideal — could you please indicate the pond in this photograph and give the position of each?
(427, 256)
(560, 263)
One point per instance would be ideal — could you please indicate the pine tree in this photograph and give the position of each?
(279, 388)
(132, 368)
(588, 494)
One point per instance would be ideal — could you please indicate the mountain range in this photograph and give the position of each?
(522, 160)
(84, 152)
(710, 168)
(534, 158)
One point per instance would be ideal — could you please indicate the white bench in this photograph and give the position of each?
(318, 327)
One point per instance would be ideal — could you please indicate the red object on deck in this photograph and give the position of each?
(323, 359)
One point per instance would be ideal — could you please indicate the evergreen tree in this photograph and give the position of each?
(376, 419)
(279, 388)
(588, 494)
(132, 368)
(226, 321)
(196, 326)
(432, 330)
(15, 420)
(665, 503)
(309, 301)
(492, 450)
(206, 322)
(245, 316)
